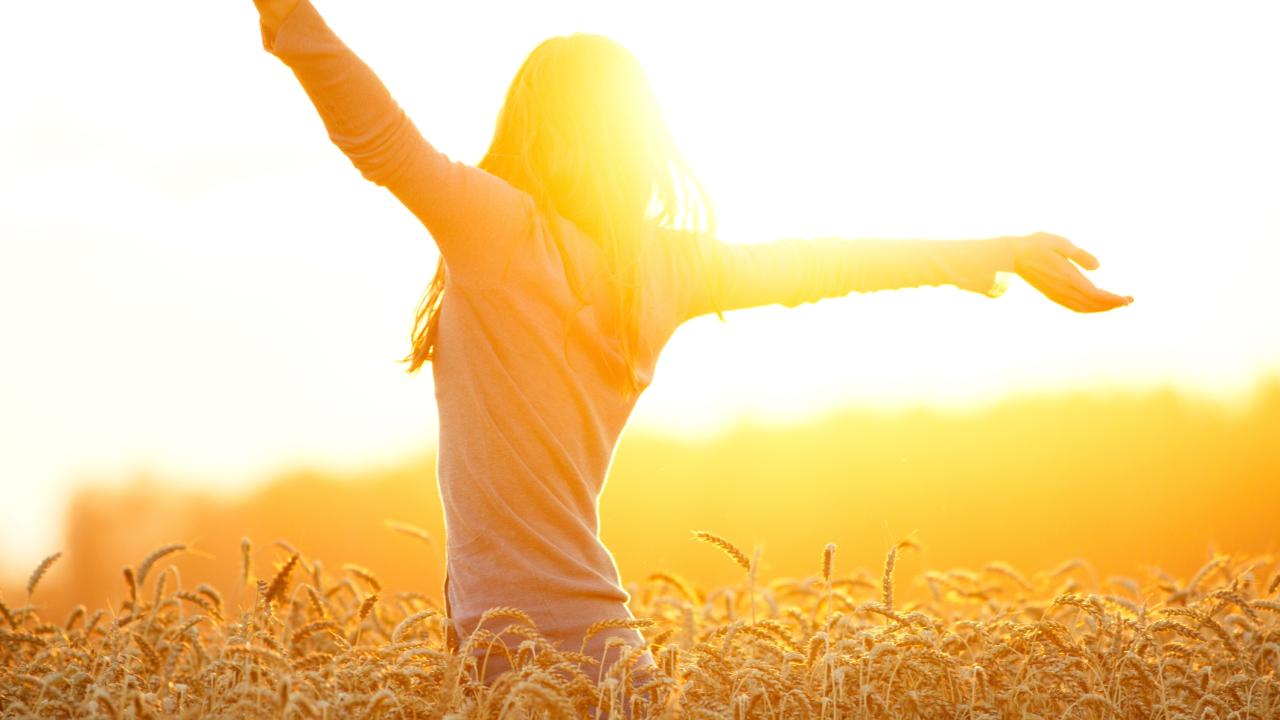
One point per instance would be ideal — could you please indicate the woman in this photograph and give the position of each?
(568, 258)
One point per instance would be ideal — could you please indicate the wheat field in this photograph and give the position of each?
(311, 642)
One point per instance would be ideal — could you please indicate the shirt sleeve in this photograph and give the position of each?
(790, 272)
(474, 217)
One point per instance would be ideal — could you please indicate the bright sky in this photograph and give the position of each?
(194, 283)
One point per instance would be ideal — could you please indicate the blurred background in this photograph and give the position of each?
(203, 304)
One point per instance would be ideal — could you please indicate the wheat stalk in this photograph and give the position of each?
(145, 566)
(246, 549)
(886, 583)
(364, 574)
(279, 583)
(131, 583)
(407, 624)
(727, 547)
(678, 583)
(600, 626)
(412, 531)
(39, 572)
(362, 613)
(8, 615)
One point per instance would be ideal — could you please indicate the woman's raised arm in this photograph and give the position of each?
(272, 13)
(474, 217)
(794, 271)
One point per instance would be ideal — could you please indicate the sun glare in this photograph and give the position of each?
(207, 289)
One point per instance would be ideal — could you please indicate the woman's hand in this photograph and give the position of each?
(273, 12)
(1044, 261)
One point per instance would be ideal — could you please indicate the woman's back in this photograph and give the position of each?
(530, 409)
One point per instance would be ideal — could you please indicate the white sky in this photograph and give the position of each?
(195, 284)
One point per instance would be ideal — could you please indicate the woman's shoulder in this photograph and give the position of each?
(680, 244)
(690, 254)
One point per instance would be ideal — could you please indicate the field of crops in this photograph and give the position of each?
(311, 642)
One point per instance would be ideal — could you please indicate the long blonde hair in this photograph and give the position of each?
(581, 132)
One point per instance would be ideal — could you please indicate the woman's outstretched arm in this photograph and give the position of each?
(794, 271)
(473, 216)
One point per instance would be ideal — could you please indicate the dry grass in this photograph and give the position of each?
(989, 644)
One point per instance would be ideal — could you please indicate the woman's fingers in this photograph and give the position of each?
(1090, 297)
(1060, 281)
(1084, 259)
(1070, 250)
(1098, 298)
